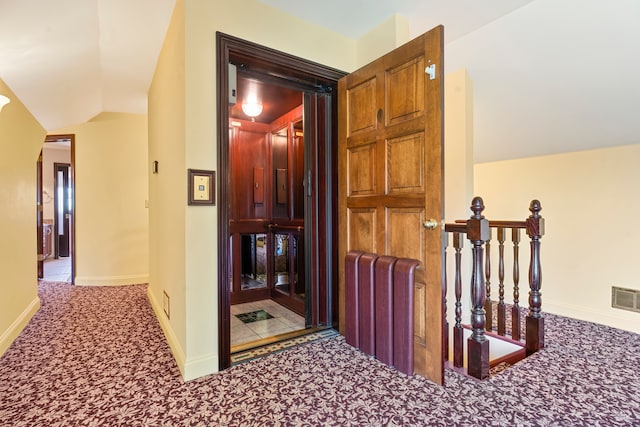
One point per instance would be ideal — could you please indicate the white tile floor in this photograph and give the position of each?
(283, 321)
(57, 270)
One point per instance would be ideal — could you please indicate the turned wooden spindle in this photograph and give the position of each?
(478, 232)
(515, 309)
(501, 306)
(445, 285)
(487, 284)
(458, 333)
(535, 321)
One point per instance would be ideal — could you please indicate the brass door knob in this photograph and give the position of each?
(431, 224)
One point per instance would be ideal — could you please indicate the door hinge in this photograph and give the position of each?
(431, 70)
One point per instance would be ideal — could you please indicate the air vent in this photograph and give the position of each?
(626, 299)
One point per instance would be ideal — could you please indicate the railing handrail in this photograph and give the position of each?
(498, 223)
(456, 228)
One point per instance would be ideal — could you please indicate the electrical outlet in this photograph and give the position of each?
(165, 304)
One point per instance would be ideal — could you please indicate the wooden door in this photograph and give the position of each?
(62, 208)
(391, 176)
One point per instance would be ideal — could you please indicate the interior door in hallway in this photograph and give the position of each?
(391, 176)
(62, 208)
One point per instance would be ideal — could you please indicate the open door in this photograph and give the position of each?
(62, 208)
(390, 155)
(59, 216)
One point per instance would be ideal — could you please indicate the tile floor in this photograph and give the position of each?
(57, 270)
(283, 321)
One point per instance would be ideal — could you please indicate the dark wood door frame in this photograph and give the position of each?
(72, 221)
(39, 217)
(312, 78)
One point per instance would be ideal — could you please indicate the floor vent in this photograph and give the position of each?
(626, 299)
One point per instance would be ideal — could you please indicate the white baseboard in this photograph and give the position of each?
(190, 369)
(172, 340)
(201, 366)
(112, 280)
(18, 325)
(626, 320)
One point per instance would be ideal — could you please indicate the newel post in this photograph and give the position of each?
(535, 321)
(478, 232)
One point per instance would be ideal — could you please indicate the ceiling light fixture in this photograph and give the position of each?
(252, 108)
(3, 101)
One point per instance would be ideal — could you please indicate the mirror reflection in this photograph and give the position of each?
(298, 281)
(254, 261)
(281, 261)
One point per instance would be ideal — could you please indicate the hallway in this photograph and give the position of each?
(57, 270)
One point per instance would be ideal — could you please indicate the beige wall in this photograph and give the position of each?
(458, 169)
(458, 147)
(111, 224)
(21, 138)
(167, 188)
(590, 203)
(392, 33)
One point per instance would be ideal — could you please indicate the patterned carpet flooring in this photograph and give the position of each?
(97, 357)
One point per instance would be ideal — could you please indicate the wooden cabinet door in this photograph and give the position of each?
(391, 176)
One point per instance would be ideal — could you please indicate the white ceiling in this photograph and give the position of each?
(459, 16)
(69, 60)
(549, 75)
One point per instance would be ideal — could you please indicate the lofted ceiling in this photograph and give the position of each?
(69, 60)
(548, 75)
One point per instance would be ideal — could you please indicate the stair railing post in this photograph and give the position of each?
(478, 232)
(535, 321)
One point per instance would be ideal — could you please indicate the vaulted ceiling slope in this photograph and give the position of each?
(69, 60)
(548, 75)
(355, 18)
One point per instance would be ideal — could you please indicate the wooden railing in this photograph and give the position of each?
(478, 230)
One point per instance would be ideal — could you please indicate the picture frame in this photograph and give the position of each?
(201, 187)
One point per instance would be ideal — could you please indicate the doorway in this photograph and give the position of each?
(62, 208)
(56, 213)
(277, 236)
(266, 217)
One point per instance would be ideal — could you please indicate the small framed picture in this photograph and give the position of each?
(202, 184)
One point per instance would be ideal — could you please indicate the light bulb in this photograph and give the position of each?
(4, 101)
(252, 108)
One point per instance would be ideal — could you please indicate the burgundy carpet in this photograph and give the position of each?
(97, 357)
